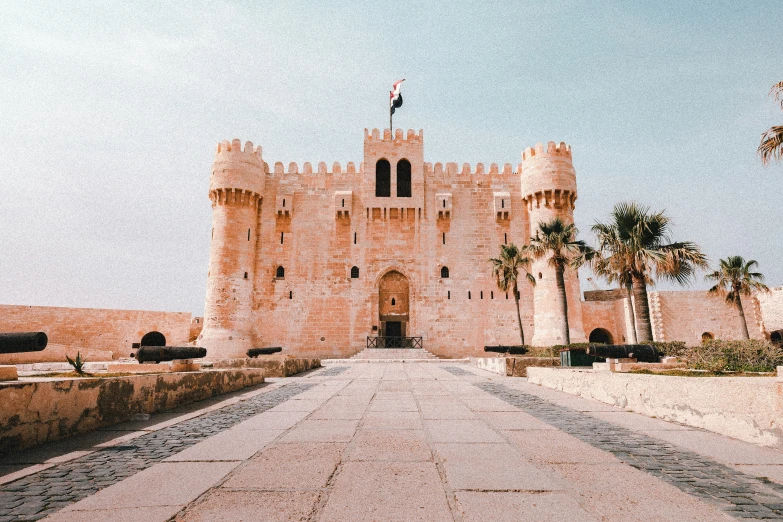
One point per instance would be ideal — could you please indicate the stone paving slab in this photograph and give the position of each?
(391, 445)
(223, 505)
(235, 444)
(388, 491)
(515, 506)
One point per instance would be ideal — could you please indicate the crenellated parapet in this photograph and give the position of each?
(399, 135)
(279, 169)
(548, 178)
(452, 169)
(237, 174)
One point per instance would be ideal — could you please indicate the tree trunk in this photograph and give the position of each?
(561, 293)
(519, 317)
(643, 324)
(632, 340)
(743, 321)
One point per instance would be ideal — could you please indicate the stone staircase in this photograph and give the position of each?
(395, 354)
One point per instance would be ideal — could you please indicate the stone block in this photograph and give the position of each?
(137, 368)
(8, 373)
(184, 365)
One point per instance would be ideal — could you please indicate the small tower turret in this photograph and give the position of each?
(235, 189)
(548, 191)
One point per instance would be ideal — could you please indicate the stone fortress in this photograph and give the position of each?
(318, 261)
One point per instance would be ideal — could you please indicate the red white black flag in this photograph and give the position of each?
(395, 96)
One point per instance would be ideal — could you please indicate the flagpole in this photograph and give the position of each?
(391, 129)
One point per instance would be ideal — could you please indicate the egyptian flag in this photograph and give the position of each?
(395, 96)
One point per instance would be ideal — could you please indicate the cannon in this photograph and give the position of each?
(640, 352)
(19, 342)
(255, 352)
(158, 354)
(511, 350)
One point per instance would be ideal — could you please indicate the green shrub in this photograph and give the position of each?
(671, 348)
(734, 356)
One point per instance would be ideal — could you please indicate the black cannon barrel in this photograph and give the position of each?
(496, 349)
(169, 353)
(18, 342)
(641, 352)
(255, 352)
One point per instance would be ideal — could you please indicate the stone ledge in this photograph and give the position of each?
(41, 410)
(274, 366)
(513, 366)
(746, 408)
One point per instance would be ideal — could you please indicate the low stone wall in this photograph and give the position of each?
(56, 353)
(37, 411)
(274, 366)
(746, 408)
(513, 366)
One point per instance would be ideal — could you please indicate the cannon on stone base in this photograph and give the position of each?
(21, 342)
(255, 352)
(158, 354)
(640, 352)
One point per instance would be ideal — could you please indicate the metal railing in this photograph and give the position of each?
(394, 342)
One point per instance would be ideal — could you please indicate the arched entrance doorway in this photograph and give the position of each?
(601, 335)
(153, 339)
(393, 308)
(776, 337)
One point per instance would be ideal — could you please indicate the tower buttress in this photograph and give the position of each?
(235, 189)
(549, 191)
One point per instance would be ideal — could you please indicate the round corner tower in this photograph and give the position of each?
(235, 189)
(549, 191)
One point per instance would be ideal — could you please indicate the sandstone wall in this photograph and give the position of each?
(318, 310)
(609, 315)
(93, 328)
(771, 305)
(686, 315)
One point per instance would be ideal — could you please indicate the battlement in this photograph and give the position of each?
(279, 168)
(453, 169)
(234, 148)
(552, 149)
(386, 135)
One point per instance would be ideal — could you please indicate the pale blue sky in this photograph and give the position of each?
(109, 115)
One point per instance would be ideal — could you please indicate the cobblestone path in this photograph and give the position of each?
(736, 493)
(40, 494)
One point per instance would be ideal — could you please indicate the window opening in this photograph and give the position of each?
(354, 238)
(403, 178)
(248, 234)
(444, 238)
(394, 302)
(482, 294)
(281, 237)
(468, 294)
(491, 294)
(505, 238)
(290, 294)
(444, 272)
(343, 203)
(355, 272)
(245, 275)
(382, 179)
(449, 294)
(283, 202)
(280, 273)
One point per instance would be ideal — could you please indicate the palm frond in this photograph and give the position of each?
(771, 146)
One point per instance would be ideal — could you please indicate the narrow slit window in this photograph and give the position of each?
(482, 294)
(290, 294)
(506, 295)
(281, 237)
(491, 294)
(444, 203)
(245, 275)
(502, 203)
(394, 301)
(449, 295)
(468, 294)
(283, 202)
(213, 232)
(354, 238)
(343, 203)
(248, 234)
(505, 238)
(444, 238)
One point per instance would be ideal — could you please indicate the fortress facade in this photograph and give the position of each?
(319, 260)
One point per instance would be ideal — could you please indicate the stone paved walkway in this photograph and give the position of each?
(393, 441)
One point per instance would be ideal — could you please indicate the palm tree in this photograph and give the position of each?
(637, 243)
(611, 262)
(734, 278)
(506, 271)
(555, 239)
(771, 146)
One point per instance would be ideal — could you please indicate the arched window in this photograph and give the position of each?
(382, 179)
(280, 272)
(355, 272)
(444, 272)
(403, 178)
